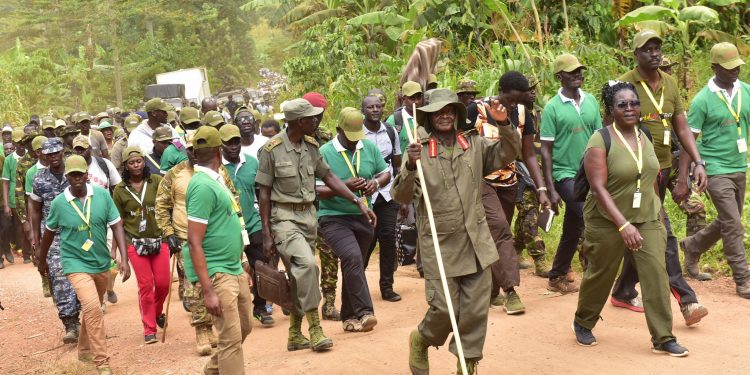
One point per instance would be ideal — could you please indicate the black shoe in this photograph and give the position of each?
(264, 318)
(390, 295)
(161, 321)
(584, 337)
(150, 339)
(670, 347)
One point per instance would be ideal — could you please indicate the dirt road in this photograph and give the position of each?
(538, 342)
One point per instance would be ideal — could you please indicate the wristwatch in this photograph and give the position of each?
(701, 162)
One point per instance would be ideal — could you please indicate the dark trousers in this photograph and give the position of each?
(349, 237)
(254, 252)
(385, 235)
(22, 241)
(572, 229)
(5, 235)
(625, 286)
(497, 203)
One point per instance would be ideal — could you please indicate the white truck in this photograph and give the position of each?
(195, 81)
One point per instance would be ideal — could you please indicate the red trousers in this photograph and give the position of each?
(152, 273)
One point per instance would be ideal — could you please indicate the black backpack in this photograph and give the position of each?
(581, 183)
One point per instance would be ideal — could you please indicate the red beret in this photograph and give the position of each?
(316, 99)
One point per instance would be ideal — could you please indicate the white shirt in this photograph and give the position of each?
(252, 150)
(566, 99)
(99, 178)
(381, 139)
(143, 137)
(714, 88)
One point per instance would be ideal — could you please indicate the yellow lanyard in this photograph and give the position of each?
(639, 159)
(351, 168)
(142, 200)
(86, 219)
(153, 161)
(735, 114)
(658, 105)
(235, 206)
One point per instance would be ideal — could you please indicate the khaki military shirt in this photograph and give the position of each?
(24, 164)
(290, 173)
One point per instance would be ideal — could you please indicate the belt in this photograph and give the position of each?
(294, 206)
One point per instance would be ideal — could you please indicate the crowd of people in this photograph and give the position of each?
(86, 198)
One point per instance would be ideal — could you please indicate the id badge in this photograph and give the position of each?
(667, 138)
(742, 145)
(637, 199)
(142, 226)
(87, 245)
(245, 238)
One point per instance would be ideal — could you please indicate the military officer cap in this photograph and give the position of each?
(299, 108)
(52, 146)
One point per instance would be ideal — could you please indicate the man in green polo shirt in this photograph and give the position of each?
(216, 235)
(720, 112)
(9, 189)
(82, 215)
(570, 118)
(662, 114)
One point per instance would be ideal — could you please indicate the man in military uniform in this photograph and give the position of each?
(26, 162)
(48, 184)
(288, 166)
(69, 133)
(131, 122)
(48, 127)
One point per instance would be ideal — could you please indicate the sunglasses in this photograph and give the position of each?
(631, 104)
(246, 119)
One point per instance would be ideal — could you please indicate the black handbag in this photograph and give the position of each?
(147, 246)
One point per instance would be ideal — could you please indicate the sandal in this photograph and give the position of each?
(352, 325)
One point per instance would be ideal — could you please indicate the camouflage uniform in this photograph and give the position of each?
(526, 234)
(45, 188)
(329, 262)
(199, 316)
(693, 207)
(27, 161)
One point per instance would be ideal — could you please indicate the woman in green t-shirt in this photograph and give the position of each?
(621, 214)
(135, 198)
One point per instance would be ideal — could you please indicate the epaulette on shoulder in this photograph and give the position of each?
(470, 132)
(311, 140)
(273, 142)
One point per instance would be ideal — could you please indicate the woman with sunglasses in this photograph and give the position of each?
(621, 214)
(135, 198)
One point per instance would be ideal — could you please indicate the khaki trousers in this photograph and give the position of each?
(92, 338)
(232, 326)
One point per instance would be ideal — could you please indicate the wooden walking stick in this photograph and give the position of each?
(169, 298)
(441, 268)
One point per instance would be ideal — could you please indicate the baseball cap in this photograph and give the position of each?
(104, 125)
(131, 152)
(228, 132)
(83, 116)
(316, 99)
(75, 163)
(189, 138)
(350, 121)
(70, 128)
(156, 104)
(132, 122)
(468, 86)
(52, 146)
(644, 36)
(7, 129)
(59, 123)
(81, 141)
(567, 63)
(299, 108)
(171, 116)
(37, 143)
(726, 55)
(17, 135)
(162, 133)
(431, 79)
(666, 62)
(189, 115)
(410, 88)
(48, 122)
(205, 137)
(213, 118)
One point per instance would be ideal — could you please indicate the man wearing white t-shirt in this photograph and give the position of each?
(142, 136)
(250, 141)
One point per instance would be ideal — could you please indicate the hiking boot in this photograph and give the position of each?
(296, 340)
(264, 318)
(584, 337)
(45, 288)
(743, 290)
(111, 296)
(368, 322)
(561, 285)
(692, 269)
(693, 313)
(86, 358)
(498, 300)
(513, 304)
(419, 363)
(634, 304)
(541, 267)
(352, 325)
(150, 339)
(471, 367)
(202, 344)
(105, 371)
(212, 337)
(318, 341)
(390, 296)
(161, 321)
(670, 347)
(71, 331)
(570, 276)
(328, 310)
(524, 263)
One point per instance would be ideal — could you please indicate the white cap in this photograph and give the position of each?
(7, 128)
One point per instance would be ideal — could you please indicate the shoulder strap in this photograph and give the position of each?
(647, 132)
(392, 136)
(607, 138)
(103, 166)
(398, 118)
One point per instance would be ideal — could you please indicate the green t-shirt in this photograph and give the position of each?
(244, 182)
(74, 232)
(402, 137)
(370, 163)
(710, 116)
(131, 210)
(9, 174)
(622, 172)
(171, 157)
(209, 202)
(570, 130)
(650, 117)
(2, 163)
(30, 174)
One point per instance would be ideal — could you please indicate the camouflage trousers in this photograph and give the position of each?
(193, 295)
(693, 207)
(181, 273)
(63, 293)
(329, 269)
(525, 231)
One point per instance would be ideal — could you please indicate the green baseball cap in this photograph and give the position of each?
(162, 133)
(48, 122)
(17, 135)
(132, 122)
(205, 137)
(104, 125)
(156, 104)
(410, 88)
(171, 116)
(644, 36)
(189, 115)
(300, 108)
(213, 118)
(467, 86)
(75, 163)
(131, 152)
(567, 63)
(81, 141)
(37, 143)
(350, 121)
(82, 116)
(228, 132)
(726, 55)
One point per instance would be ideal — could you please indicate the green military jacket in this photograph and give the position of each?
(24, 163)
(454, 182)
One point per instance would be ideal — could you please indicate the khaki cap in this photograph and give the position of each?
(156, 104)
(300, 108)
(189, 115)
(567, 63)
(48, 122)
(644, 36)
(82, 116)
(81, 141)
(37, 143)
(666, 62)
(132, 122)
(171, 116)
(75, 163)
(162, 133)
(205, 137)
(189, 138)
(726, 55)
(70, 128)
(228, 132)
(350, 121)
(17, 135)
(131, 152)
(410, 88)
(467, 86)
(213, 118)
(431, 79)
(59, 123)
